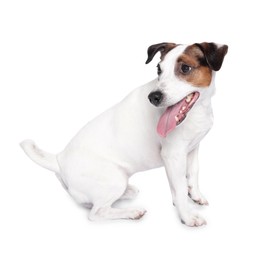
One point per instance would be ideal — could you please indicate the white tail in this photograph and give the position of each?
(40, 157)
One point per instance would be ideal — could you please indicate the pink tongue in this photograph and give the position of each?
(167, 121)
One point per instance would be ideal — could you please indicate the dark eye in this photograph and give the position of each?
(159, 71)
(185, 69)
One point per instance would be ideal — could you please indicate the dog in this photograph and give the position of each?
(158, 124)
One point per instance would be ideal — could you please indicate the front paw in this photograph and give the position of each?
(193, 220)
(197, 197)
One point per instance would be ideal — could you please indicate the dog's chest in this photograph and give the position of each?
(197, 124)
(200, 122)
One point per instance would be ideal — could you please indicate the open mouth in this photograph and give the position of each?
(174, 115)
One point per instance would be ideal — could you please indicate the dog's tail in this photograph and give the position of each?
(40, 157)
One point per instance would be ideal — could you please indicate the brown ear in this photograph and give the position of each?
(214, 54)
(164, 48)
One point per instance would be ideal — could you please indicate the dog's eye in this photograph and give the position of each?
(159, 71)
(185, 69)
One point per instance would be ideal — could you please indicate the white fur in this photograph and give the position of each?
(97, 163)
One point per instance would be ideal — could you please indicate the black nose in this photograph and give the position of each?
(155, 97)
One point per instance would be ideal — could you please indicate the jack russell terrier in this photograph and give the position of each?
(137, 135)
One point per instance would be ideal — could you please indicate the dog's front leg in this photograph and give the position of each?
(192, 174)
(175, 162)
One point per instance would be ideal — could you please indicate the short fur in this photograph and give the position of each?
(96, 165)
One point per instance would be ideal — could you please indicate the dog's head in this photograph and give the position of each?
(184, 69)
(185, 75)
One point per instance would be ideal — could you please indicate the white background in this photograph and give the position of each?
(64, 62)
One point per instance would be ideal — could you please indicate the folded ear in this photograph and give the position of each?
(214, 54)
(164, 48)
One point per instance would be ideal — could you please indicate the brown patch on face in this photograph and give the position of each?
(192, 67)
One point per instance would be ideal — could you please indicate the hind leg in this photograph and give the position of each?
(130, 193)
(103, 210)
(109, 213)
(102, 186)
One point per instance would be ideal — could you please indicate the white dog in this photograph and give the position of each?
(136, 135)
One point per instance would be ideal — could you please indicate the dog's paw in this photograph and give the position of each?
(193, 220)
(197, 197)
(136, 214)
